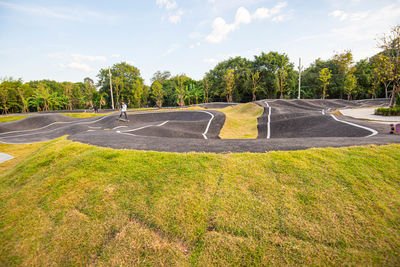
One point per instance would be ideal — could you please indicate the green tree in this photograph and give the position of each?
(68, 90)
(350, 85)
(206, 86)
(229, 79)
(131, 90)
(343, 61)
(180, 88)
(391, 48)
(161, 77)
(158, 93)
(324, 76)
(255, 79)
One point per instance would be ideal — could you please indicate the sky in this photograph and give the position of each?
(68, 40)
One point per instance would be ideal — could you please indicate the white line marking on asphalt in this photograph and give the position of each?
(144, 127)
(57, 122)
(209, 123)
(269, 120)
(373, 132)
(118, 127)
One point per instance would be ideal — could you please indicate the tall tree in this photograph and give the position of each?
(206, 86)
(255, 79)
(343, 61)
(132, 83)
(157, 92)
(324, 76)
(68, 90)
(161, 77)
(350, 84)
(180, 88)
(391, 48)
(229, 79)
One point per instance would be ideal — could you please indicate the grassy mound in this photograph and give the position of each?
(66, 203)
(388, 111)
(8, 118)
(85, 114)
(241, 121)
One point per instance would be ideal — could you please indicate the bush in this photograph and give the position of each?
(388, 111)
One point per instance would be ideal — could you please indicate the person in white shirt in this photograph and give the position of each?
(123, 110)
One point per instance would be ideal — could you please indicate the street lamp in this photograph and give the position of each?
(112, 97)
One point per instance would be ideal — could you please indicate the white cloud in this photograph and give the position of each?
(167, 4)
(80, 57)
(115, 55)
(176, 18)
(170, 5)
(77, 66)
(242, 16)
(221, 29)
(343, 16)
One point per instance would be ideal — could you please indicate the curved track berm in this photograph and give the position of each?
(284, 125)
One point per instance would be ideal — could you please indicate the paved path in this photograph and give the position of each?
(285, 125)
(5, 157)
(368, 114)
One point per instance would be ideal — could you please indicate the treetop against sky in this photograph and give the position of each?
(69, 40)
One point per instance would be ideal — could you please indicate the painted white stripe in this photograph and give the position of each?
(58, 122)
(323, 112)
(144, 127)
(209, 123)
(269, 121)
(5, 157)
(117, 127)
(373, 132)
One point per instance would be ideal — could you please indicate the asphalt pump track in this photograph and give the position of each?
(284, 125)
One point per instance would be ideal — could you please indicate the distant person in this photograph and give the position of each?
(95, 109)
(123, 110)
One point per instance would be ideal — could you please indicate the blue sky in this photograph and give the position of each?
(70, 40)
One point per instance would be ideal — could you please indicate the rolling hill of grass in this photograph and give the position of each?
(8, 118)
(241, 121)
(66, 203)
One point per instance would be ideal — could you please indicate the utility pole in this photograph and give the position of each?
(112, 97)
(300, 69)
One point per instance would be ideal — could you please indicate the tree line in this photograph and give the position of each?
(268, 75)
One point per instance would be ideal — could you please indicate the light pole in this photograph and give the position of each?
(300, 69)
(112, 97)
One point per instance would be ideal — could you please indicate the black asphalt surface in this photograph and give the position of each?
(284, 125)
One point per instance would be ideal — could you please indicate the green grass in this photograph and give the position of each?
(8, 118)
(85, 114)
(241, 121)
(395, 111)
(66, 203)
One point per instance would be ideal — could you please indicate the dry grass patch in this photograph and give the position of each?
(85, 114)
(7, 118)
(241, 121)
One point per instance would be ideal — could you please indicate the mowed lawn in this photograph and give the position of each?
(66, 203)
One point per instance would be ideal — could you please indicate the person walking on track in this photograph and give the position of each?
(123, 110)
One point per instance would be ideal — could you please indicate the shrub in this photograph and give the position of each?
(388, 111)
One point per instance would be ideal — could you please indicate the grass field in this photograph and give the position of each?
(8, 118)
(85, 114)
(66, 203)
(241, 121)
